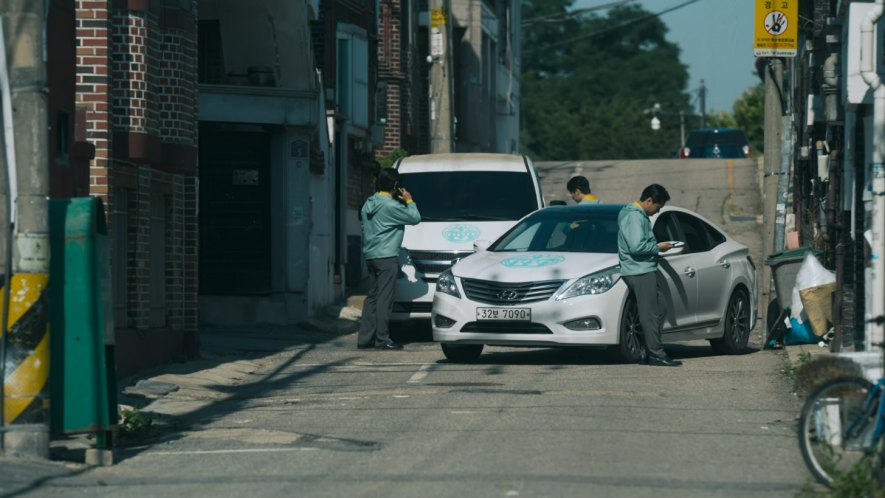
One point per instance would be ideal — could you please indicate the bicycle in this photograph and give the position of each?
(841, 426)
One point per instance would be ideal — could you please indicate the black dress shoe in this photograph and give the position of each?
(390, 346)
(663, 361)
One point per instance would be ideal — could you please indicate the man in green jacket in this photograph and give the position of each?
(638, 251)
(383, 216)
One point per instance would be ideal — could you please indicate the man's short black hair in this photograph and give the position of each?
(578, 183)
(658, 194)
(387, 179)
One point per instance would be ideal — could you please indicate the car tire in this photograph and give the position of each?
(631, 340)
(462, 353)
(736, 329)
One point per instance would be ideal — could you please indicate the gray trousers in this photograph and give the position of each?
(652, 306)
(374, 326)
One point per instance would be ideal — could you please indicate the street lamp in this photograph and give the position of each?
(656, 123)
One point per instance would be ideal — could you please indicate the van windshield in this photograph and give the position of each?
(471, 195)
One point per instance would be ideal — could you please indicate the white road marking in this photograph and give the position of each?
(421, 373)
(221, 452)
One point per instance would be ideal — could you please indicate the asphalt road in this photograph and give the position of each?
(275, 413)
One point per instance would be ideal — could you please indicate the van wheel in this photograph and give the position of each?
(736, 331)
(631, 340)
(464, 353)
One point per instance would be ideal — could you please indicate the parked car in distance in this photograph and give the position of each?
(716, 143)
(554, 280)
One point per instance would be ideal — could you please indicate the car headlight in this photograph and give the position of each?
(595, 283)
(446, 284)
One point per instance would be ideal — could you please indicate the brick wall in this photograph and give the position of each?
(402, 69)
(93, 83)
(137, 82)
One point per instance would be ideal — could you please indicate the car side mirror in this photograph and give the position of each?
(481, 245)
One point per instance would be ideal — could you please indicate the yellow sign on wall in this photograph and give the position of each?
(437, 17)
(775, 33)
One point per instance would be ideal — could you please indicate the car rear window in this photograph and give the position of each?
(708, 138)
(472, 195)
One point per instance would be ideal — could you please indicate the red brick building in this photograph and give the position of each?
(136, 101)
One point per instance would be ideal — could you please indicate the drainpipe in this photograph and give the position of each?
(869, 75)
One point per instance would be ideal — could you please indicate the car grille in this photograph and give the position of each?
(434, 262)
(406, 307)
(506, 294)
(505, 328)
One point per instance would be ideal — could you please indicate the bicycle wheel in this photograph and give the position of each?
(835, 427)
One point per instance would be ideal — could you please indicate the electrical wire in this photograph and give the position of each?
(571, 14)
(606, 30)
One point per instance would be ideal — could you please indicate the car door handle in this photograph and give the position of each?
(725, 264)
(689, 271)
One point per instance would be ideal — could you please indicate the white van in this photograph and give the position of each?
(462, 198)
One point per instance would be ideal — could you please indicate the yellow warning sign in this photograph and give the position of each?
(437, 17)
(775, 33)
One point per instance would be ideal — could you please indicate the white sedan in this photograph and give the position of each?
(553, 280)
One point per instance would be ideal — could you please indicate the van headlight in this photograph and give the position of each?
(595, 283)
(446, 284)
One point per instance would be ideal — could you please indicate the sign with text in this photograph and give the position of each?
(775, 33)
(437, 17)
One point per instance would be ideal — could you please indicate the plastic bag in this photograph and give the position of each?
(812, 295)
(799, 333)
(813, 274)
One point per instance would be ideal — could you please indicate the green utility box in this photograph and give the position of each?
(83, 386)
(784, 268)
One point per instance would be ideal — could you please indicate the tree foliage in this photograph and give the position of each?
(749, 114)
(587, 81)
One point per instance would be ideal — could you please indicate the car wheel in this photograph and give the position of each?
(737, 325)
(463, 353)
(630, 337)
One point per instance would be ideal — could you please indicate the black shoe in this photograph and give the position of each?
(663, 361)
(643, 357)
(390, 346)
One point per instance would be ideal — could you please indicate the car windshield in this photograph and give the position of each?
(472, 195)
(577, 231)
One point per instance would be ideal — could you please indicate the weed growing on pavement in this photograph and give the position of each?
(135, 424)
(856, 482)
(789, 371)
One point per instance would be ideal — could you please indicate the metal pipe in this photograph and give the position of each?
(872, 78)
(10, 190)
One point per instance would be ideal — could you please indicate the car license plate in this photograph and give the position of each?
(506, 314)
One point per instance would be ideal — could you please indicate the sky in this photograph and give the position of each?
(716, 39)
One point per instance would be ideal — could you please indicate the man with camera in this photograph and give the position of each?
(384, 217)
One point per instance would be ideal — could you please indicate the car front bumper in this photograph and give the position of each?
(546, 327)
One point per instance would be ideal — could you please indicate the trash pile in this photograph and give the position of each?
(809, 318)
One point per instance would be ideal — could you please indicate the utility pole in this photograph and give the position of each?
(440, 78)
(773, 128)
(702, 94)
(25, 351)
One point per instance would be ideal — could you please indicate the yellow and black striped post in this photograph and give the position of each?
(25, 428)
(26, 369)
